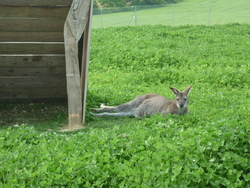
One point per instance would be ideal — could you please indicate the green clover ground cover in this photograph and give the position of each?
(209, 147)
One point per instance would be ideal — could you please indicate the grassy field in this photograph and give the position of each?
(208, 147)
(192, 12)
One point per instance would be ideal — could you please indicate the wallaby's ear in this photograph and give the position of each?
(175, 91)
(188, 89)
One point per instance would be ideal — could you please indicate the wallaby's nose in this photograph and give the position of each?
(181, 105)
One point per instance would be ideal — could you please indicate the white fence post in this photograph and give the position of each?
(135, 16)
(101, 18)
(173, 15)
(209, 12)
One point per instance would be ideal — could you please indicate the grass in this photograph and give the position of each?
(208, 147)
(192, 12)
(214, 59)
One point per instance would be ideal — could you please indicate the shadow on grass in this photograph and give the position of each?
(51, 117)
(42, 116)
(105, 123)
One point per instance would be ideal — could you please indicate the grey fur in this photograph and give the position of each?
(148, 104)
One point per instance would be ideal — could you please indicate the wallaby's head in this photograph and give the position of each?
(181, 99)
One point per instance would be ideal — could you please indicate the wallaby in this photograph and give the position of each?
(147, 105)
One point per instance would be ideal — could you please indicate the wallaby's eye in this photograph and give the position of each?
(185, 99)
(177, 99)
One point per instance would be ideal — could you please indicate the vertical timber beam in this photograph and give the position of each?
(85, 60)
(74, 26)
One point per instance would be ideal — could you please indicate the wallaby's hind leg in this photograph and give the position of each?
(126, 107)
(118, 114)
(104, 108)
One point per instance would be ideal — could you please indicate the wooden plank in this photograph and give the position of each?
(34, 60)
(78, 17)
(73, 82)
(31, 48)
(31, 25)
(31, 36)
(32, 71)
(73, 29)
(33, 93)
(32, 81)
(37, 2)
(40, 24)
(33, 12)
(85, 59)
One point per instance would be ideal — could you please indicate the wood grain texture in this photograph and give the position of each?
(33, 71)
(31, 36)
(36, 2)
(31, 25)
(32, 76)
(31, 48)
(74, 27)
(85, 58)
(34, 60)
(31, 81)
(59, 12)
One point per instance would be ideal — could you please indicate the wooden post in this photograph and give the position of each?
(85, 60)
(75, 24)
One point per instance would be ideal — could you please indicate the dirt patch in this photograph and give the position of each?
(31, 113)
